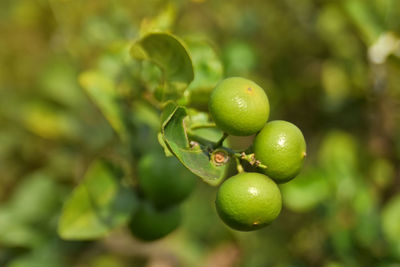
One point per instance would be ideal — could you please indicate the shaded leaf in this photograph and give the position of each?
(195, 158)
(35, 202)
(306, 191)
(239, 58)
(171, 56)
(97, 206)
(147, 115)
(338, 152)
(14, 232)
(208, 71)
(101, 90)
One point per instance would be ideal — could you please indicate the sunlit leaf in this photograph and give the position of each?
(162, 22)
(382, 171)
(364, 18)
(338, 156)
(98, 205)
(49, 122)
(390, 223)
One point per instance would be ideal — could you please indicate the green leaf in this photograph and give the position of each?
(14, 232)
(306, 191)
(101, 90)
(161, 22)
(390, 223)
(171, 56)
(208, 71)
(200, 124)
(19, 221)
(98, 205)
(48, 121)
(147, 115)
(240, 58)
(365, 19)
(338, 152)
(162, 143)
(195, 158)
(43, 195)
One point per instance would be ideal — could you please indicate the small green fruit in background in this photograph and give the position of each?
(248, 201)
(163, 180)
(149, 224)
(239, 106)
(281, 147)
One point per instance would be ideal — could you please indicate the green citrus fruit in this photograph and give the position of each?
(248, 201)
(149, 224)
(281, 147)
(163, 180)
(239, 106)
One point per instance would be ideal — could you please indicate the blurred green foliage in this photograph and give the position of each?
(330, 67)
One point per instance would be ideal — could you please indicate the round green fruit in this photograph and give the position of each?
(149, 224)
(281, 147)
(164, 181)
(239, 106)
(248, 201)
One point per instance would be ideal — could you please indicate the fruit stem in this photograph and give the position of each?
(238, 165)
(250, 158)
(219, 143)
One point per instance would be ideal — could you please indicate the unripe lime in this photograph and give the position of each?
(248, 201)
(239, 106)
(281, 147)
(163, 180)
(149, 224)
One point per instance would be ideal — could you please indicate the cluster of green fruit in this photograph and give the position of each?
(251, 200)
(163, 184)
(247, 200)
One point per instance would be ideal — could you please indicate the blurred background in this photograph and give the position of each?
(330, 67)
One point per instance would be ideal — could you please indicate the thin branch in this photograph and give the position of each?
(221, 141)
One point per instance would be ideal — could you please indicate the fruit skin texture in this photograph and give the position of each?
(149, 224)
(239, 106)
(248, 201)
(163, 180)
(281, 147)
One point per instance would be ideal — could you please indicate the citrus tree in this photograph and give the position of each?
(114, 130)
(188, 110)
